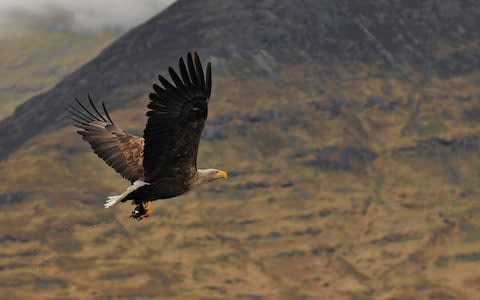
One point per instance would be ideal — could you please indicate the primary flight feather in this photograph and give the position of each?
(162, 164)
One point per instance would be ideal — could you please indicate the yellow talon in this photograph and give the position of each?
(141, 211)
(146, 211)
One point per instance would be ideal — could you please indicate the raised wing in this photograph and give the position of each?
(119, 149)
(176, 119)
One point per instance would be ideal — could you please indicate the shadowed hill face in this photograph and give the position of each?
(262, 34)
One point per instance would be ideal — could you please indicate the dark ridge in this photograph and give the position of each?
(308, 231)
(257, 33)
(292, 253)
(319, 251)
(13, 198)
(466, 257)
(458, 63)
(338, 158)
(252, 185)
(437, 146)
(397, 238)
(11, 238)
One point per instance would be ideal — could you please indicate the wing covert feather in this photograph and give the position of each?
(119, 149)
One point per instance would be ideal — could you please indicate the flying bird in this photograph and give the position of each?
(163, 163)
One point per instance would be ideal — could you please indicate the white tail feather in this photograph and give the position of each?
(115, 199)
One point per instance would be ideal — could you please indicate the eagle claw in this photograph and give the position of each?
(141, 211)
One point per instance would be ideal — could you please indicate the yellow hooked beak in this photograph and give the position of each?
(222, 174)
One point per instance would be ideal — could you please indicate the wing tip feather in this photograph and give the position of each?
(80, 114)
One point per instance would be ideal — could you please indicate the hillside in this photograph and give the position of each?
(264, 33)
(35, 57)
(351, 139)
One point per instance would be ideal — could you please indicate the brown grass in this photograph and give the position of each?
(398, 227)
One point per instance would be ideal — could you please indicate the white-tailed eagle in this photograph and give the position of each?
(162, 164)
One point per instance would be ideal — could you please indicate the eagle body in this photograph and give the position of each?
(163, 188)
(163, 163)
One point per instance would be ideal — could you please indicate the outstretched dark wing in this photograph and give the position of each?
(176, 119)
(119, 149)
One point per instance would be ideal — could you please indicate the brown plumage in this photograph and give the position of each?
(119, 149)
(162, 164)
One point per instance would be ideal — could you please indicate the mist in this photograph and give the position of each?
(85, 15)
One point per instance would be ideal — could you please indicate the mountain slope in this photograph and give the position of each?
(353, 161)
(285, 32)
(42, 53)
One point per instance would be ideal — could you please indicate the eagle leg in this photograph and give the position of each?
(141, 211)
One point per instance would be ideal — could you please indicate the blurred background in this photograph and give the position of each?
(350, 129)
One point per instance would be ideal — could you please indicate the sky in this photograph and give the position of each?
(86, 14)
